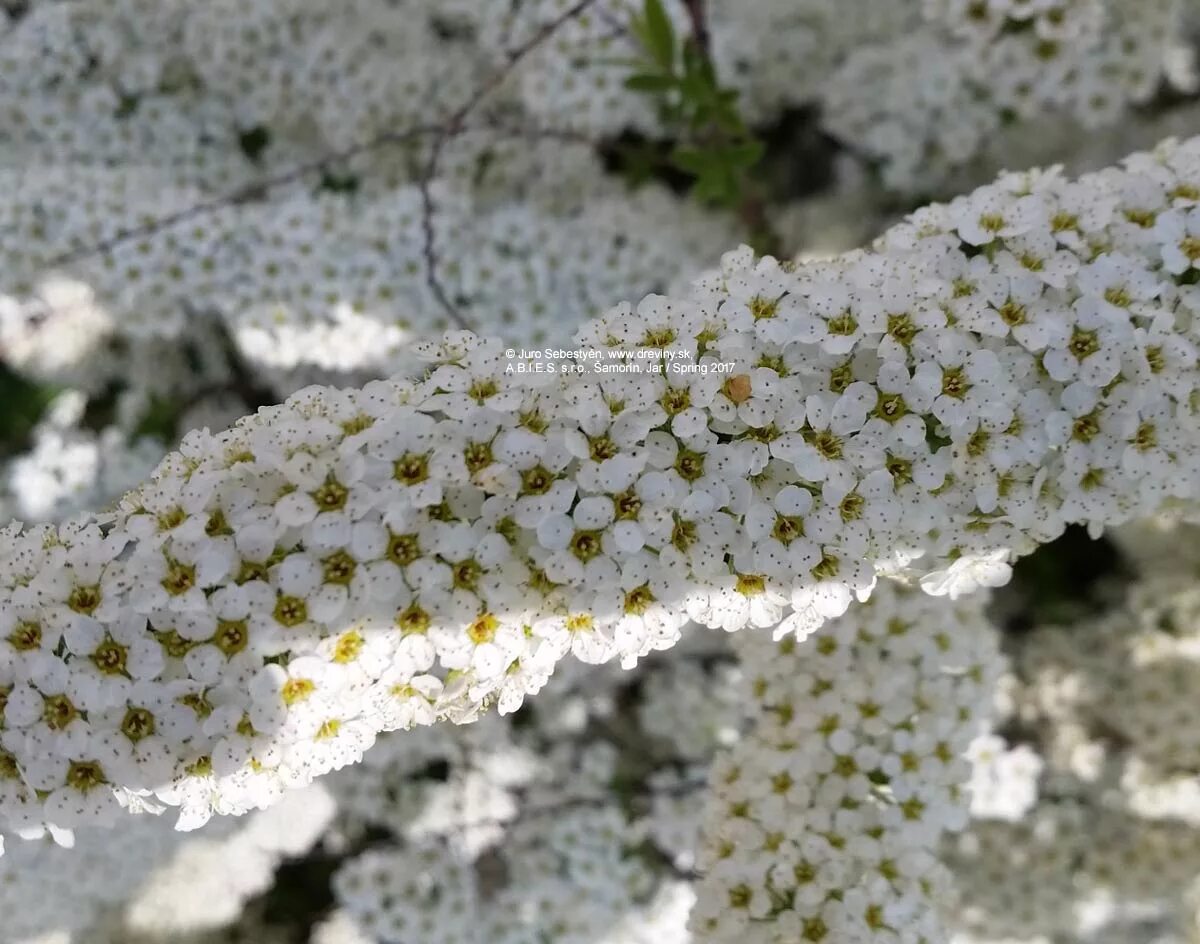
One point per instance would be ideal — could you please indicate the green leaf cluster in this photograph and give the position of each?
(713, 144)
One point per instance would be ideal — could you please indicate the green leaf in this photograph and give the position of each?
(746, 153)
(691, 160)
(718, 185)
(653, 84)
(660, 35)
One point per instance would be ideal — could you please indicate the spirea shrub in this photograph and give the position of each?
(346, 493)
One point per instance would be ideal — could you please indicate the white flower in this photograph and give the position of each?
(1178, 235)
(1092, 351)
(990, 214)
(969, 573)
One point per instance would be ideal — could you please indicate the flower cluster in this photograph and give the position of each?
(362, 560)
(929, 100)
(823, 823)
(571, 877)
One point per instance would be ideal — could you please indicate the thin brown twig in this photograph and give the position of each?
(700, 35)
(454, 126)
(618, 26)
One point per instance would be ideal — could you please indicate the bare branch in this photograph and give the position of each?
(700, 35)
(454, 127)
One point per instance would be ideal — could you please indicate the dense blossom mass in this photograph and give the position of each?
(361, 560)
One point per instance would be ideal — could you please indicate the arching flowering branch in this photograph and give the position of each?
(420, 549)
